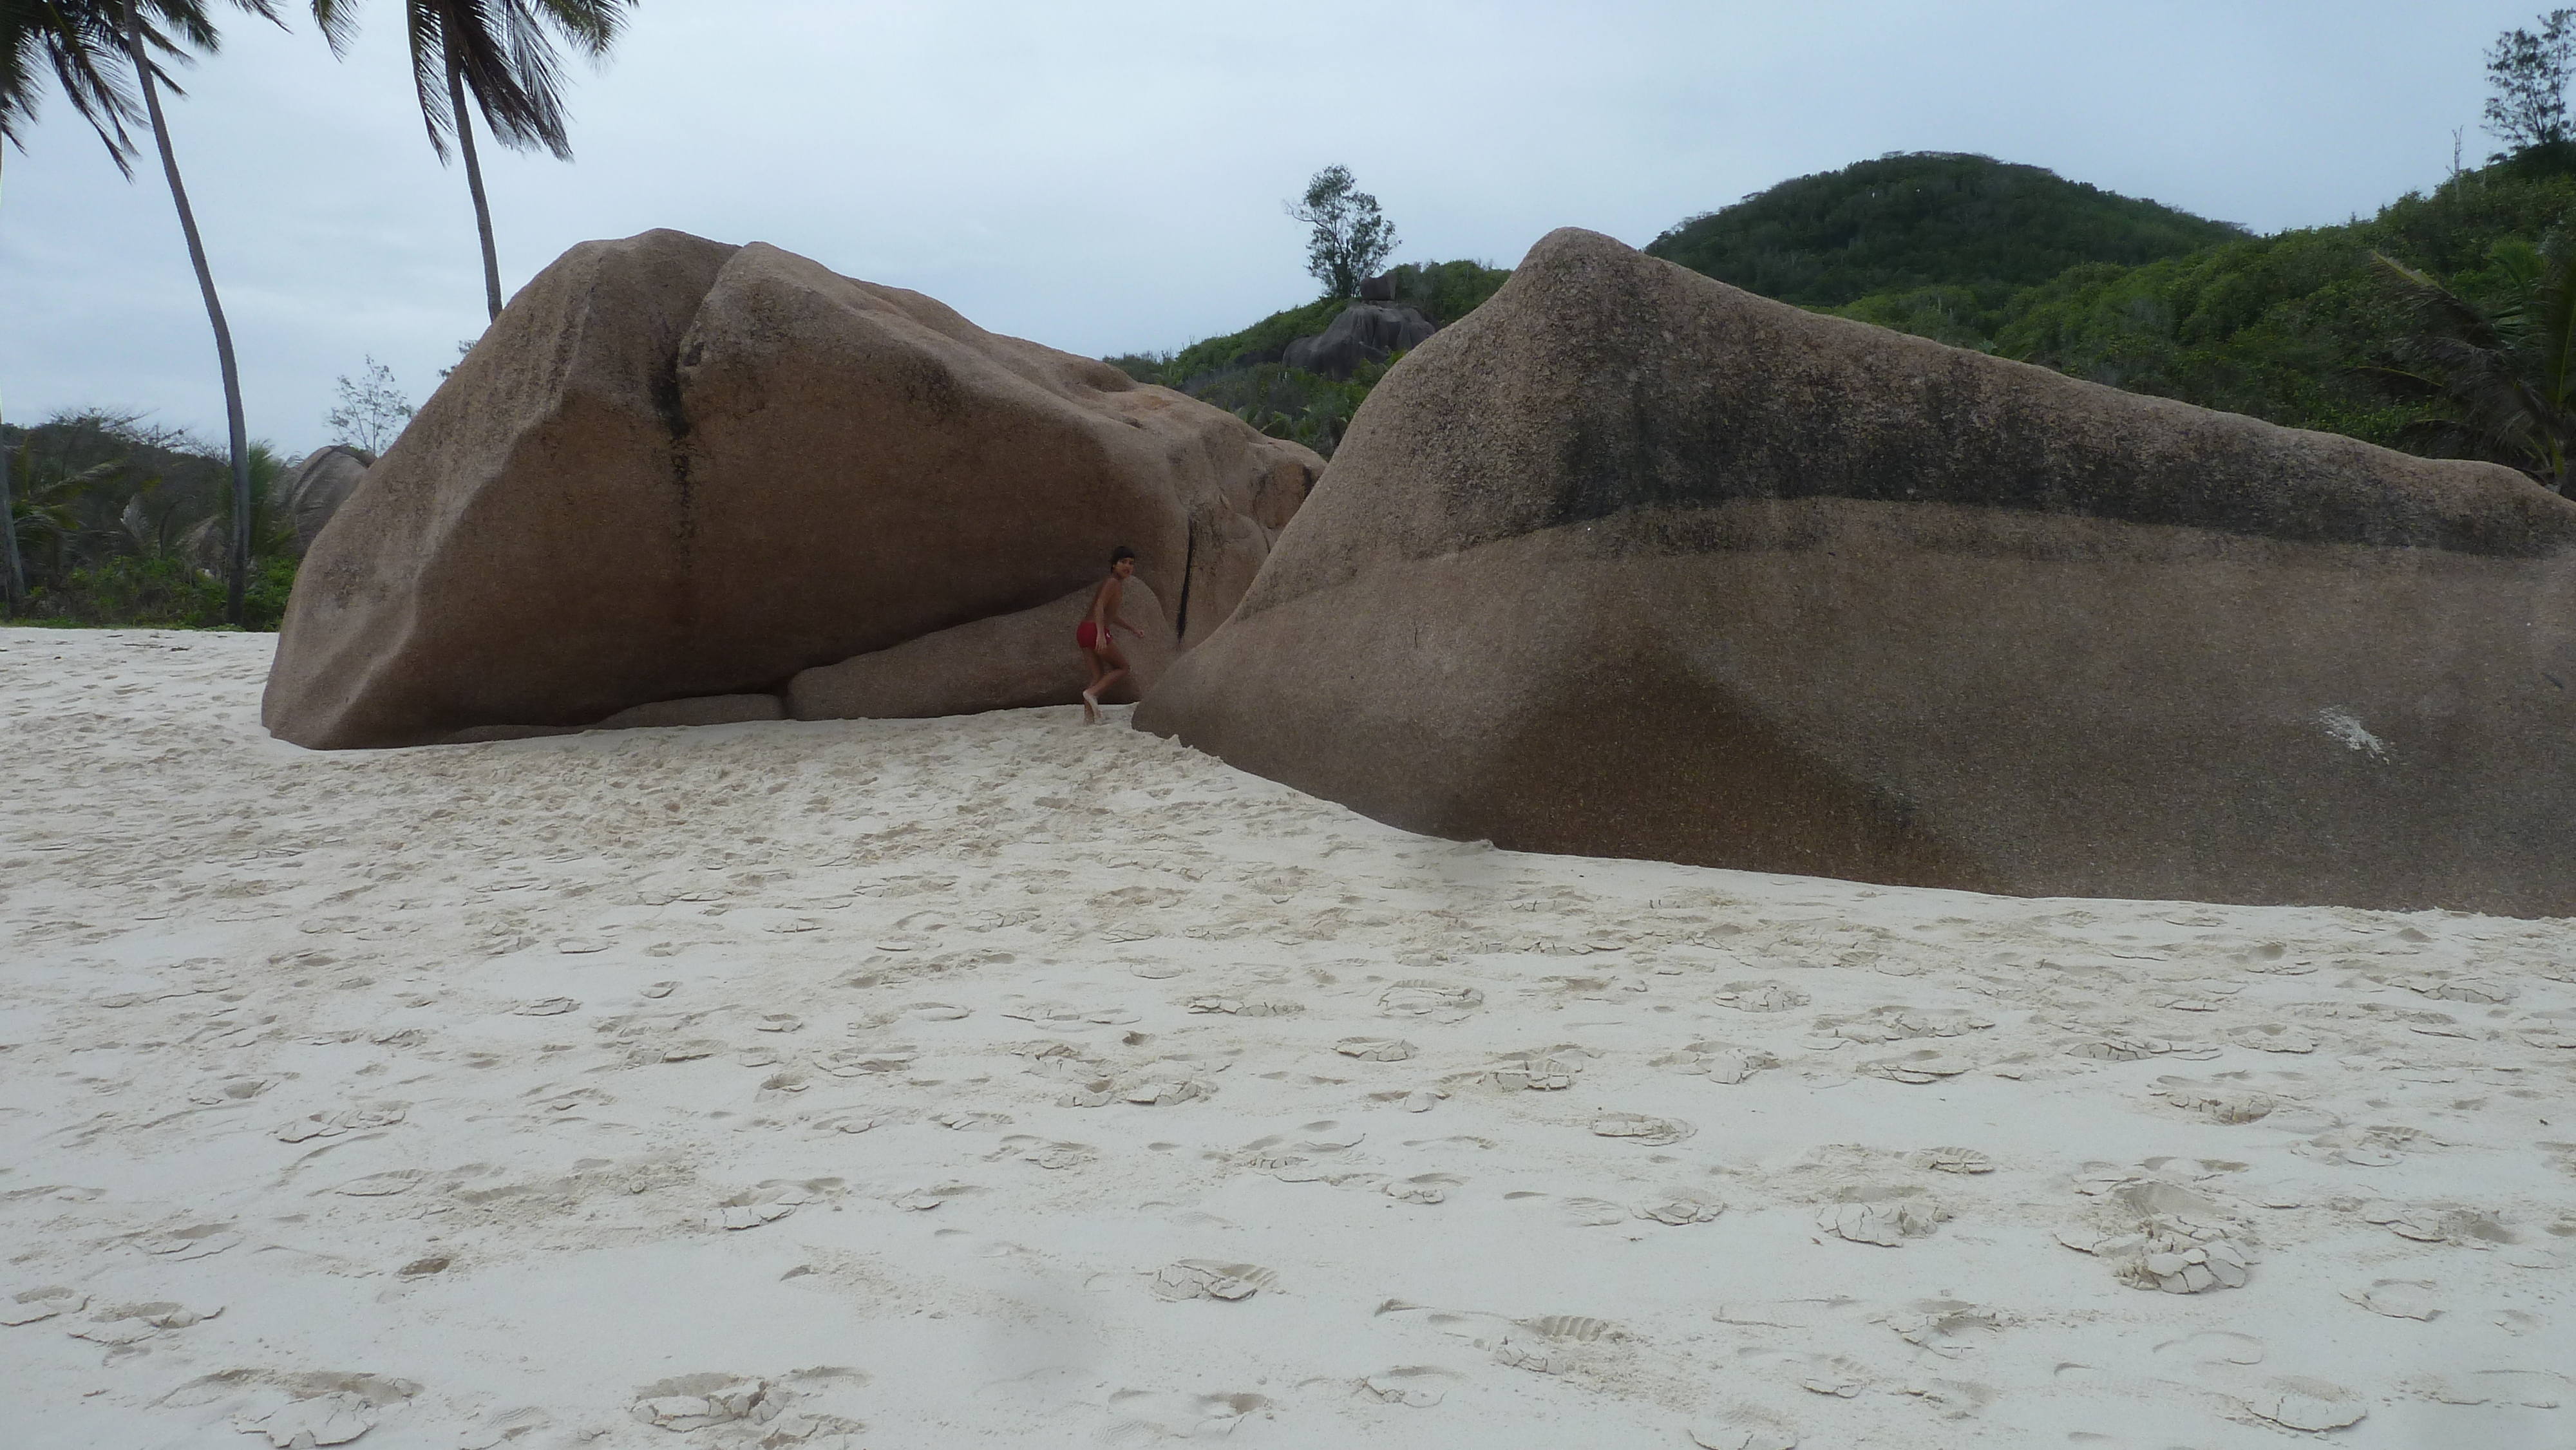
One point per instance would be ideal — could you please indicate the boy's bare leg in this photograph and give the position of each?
(1091, 692)
(1116, 670)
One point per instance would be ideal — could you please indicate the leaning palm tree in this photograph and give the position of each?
(501, 53)
(2500, 374)
(188, 17)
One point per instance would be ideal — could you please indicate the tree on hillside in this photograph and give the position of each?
(2502, 375)
(1351, 238)
(502, 54)
(2528, 73)
(372, 410)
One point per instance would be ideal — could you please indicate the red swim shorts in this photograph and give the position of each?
(1087, 635)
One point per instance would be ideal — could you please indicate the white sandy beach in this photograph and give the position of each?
(1000, 1081)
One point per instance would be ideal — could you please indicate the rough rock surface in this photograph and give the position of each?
(1007, 662)
(677, 468)
(1363, 332)
(318, 486)
(1631, 563)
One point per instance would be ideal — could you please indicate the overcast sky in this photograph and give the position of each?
(1108, 178)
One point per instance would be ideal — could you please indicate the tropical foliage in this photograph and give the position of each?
(1243, 372)
(1926, 220)
(2500, 374)
(122, 523)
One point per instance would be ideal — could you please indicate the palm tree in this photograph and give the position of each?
(502, 53)
(2501, 375)
(189, 18)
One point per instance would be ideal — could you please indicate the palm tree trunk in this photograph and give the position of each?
(474, 182)
(14, 580)
(238, 584)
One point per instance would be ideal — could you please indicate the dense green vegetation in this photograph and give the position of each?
(121, 523)
(1242, 372)
(2295, 328)
(1926, 220)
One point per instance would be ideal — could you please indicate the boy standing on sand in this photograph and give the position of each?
(1095, 634)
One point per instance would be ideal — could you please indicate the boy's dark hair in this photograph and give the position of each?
(1121, 552)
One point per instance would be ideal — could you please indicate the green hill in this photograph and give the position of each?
(1925, 219)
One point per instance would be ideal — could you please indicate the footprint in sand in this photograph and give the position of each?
(1417, 1386)
(1211, 1279)
(1928, 1065)
(357, 1118)
(1052, 1156)
(2530, 1388)
(2212, 1347)
(1719, 1062)
(1760, 997)
(2297, 1402)
(1416, 997)
(1422, 1188)
(1742, 1429)
(1551, 1070)
(332, 1419)
(1883, 1214)
(2398, 1299)
(545, 1007)
(658, 990)
(383, 1185)
(704, 1401)
(200, 1242)
(1059, 1014)
(2218, 1102)
(1901, 1024)
(231, 1090)
(29, 1306)
(1244, 1007)
(1375, 1049)
(2275, 1037)
(1687, 1207)
(1950, 1328)
(1952, 1160)
(2441, 1224)
(1640, 1128)
(767, 1203)
(500, 1429)
(2137, 1049)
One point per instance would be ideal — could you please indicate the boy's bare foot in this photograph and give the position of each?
(1090, 709)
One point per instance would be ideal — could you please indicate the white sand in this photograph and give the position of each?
(477, 1094)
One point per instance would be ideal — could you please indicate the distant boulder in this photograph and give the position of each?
(1631, 563)
(1380, 288)
(318, 486)
(1365, 332)
(676, 468)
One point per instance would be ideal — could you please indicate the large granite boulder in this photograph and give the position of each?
(1006, 662)
(1630, 563)
(676, 468)
(1363, 332)
(314, 491)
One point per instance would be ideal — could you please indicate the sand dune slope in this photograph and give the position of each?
(999, 1081)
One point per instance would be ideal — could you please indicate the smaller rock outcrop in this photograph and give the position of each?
(318, 486)
(1007, 662)
(1366, 332)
